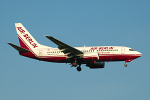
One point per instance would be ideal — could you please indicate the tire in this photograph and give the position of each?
(78, 69)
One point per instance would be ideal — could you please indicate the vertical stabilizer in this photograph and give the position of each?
(25, 38)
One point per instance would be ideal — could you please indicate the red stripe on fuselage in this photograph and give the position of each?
(102, 57)
(63, 59)
(118, 57)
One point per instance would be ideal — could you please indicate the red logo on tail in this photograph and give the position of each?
(27, 37)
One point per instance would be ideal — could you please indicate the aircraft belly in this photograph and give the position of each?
(54, 58)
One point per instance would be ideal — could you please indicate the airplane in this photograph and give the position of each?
(93, 57)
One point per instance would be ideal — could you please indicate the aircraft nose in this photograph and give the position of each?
(139, 54)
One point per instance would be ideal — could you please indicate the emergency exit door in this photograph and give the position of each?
(40, 53)
(122, 50)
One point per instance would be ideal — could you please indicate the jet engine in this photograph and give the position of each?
(96, 65)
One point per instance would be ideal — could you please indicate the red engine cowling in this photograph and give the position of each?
(96, 65)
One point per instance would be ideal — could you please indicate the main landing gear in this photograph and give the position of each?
(79, 68)
(76, 64)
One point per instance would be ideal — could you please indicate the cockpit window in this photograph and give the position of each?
(131, 49)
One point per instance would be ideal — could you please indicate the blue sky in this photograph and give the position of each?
(77, 23)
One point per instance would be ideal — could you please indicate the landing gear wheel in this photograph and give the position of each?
(125, 65)
(79, 69)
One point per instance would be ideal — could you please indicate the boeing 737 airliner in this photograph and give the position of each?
(93, 57)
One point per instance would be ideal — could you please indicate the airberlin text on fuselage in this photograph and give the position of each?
(101, 48)
(27, 37)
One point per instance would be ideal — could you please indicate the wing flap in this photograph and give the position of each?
(66, 49)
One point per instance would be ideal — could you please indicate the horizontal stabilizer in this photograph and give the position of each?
(21, 50)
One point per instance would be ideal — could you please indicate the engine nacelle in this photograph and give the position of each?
(91, 56)
(96, 65)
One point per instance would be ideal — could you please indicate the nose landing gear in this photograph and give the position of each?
(125, 64)
(130, 60)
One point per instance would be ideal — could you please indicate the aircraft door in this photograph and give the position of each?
(40, 53)
(122, 50)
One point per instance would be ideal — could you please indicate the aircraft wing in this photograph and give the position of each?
(71, 52)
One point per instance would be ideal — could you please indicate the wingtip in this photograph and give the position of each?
(9, 43)
(45, 35)
(48, 36)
